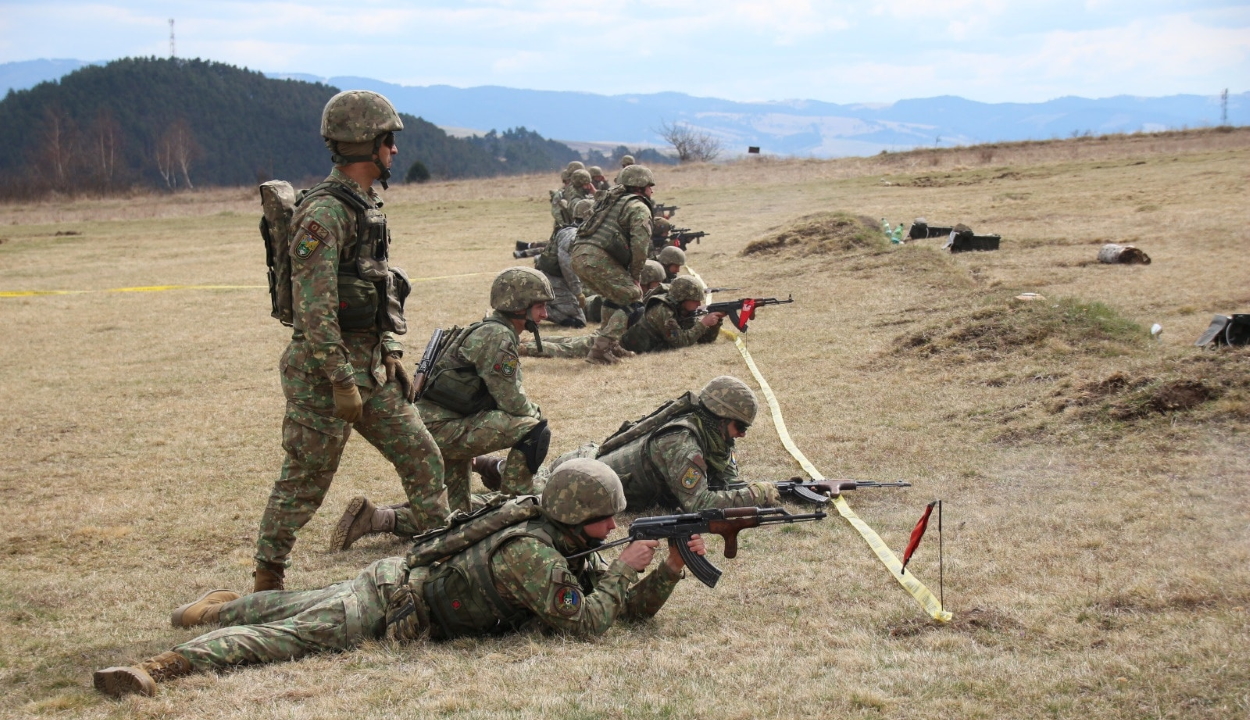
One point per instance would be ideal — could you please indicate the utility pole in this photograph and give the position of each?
(1224, 107)
(172, 54)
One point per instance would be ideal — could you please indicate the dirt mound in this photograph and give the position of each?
(821, 233)
(1121, 397)
(1008, 327)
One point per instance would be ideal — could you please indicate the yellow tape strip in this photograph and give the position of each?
(887, 557)
(161, 288)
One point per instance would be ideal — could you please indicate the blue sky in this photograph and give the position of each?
(868, 51)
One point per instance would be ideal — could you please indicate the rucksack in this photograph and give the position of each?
(658, 418)
(277, 198)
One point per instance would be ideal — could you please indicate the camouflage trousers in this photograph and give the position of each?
(286, 625)
(314, 440)
(463, 438)
(564, 306)
(606, 277)
(575, 346)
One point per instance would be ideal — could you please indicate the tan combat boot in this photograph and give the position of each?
(141, 679)
(267, 577)
(204, 610)
(619, 350)
(490, 469)
(601, 352)
(361, 518)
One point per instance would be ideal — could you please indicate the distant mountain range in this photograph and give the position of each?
(792, 127)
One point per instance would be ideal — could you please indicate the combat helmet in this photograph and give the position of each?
(517, 288)
(595, 171)
(579, 178)
(672, 255)
(730, 398)
(660, 226)
(581, 490)
(627, 160)
(652, 272)
(359, 116)
(635, 176)
(575, 166)
(582, 209)
(686, 288)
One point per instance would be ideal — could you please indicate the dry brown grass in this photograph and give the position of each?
(1098, 558)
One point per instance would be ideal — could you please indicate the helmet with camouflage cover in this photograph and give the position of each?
(660, 226)
(355, 116)
(672, 255)
(652, 272)
(635, 176)
(685, 288)
(595, 171)
(581, 490)
(627, 160)
(583, 208)
(730, 398)
(579, 178)
(575, 165)
(517, 288)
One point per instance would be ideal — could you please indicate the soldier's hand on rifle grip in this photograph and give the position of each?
(712, 319)
(639, 553)
(395, 371)
(675, 562)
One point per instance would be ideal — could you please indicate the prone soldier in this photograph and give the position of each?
(672, 258)
(503, 569)
(343, 368)
(669, 321)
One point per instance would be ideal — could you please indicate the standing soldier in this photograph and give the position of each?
(609, 254)
(501, 571)
(474, 404)
(343, 368)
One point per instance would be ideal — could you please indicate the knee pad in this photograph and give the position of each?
(534, 446)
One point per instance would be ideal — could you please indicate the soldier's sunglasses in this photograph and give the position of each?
(389, 140)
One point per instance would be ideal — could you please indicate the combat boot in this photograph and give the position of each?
(490, 469)
(267, 576)
(601, 352)
(204, 610)
(141, 679)
(361, 518)
(619, 350)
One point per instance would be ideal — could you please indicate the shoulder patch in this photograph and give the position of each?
(317, 230)
(305, 245)
(691, 478)
(506, 364)
(568, 601)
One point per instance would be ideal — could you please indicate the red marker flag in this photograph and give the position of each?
(916, 534)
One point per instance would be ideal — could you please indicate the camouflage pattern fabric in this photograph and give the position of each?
(606, 277)
(663, 327)
(320, 356)
(573, 346)
(567, 285)
(529, 575)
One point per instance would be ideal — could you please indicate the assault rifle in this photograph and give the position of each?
(710, 291)
(742, 311)
(726, 522)
(665, 210)
(427, 361)
(814, 492)
(681, 237)
(528, 249)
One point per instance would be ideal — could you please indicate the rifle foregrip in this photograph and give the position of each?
(707, 573)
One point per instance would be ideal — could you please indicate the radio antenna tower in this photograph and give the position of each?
(172, 54)
(1224, 107)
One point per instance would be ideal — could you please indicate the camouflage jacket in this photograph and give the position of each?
(668, 468)
(662, 327)
(625, 234)
(519, 575)
(322, 229)
(492, 349)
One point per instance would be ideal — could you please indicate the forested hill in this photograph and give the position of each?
(177, 123)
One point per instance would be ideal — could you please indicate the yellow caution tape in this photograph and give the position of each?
(160, 288)
(887, 557)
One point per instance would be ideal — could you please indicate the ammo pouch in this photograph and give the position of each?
(391, 312)
(373, 245)
(358, 304)
(457, 608)
(459, 389)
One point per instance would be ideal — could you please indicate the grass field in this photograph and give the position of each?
(1097, 521)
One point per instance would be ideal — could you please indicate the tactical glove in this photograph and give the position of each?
(765, 494)
(348, 406)
(395, 371)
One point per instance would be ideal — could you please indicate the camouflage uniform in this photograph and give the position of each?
(320, 356)
(534, 584)
(492, 350)
(557, 264)
(665, 326)
(573, 346)
(610, 260)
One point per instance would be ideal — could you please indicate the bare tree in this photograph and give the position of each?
(106, 136)
(175, 151)
(692, 145)
(57, 148)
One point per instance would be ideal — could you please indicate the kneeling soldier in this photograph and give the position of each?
(501, 569)
(474, 404)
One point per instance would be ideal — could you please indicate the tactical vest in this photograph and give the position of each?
(460, 593)
(454, 382)
(604, 229)
(641, 337)
(549, 260)
(644, 485)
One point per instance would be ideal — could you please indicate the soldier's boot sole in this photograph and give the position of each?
(620, 351)
(203, 610)
(360, 519)
(601, 353)
(119, 681)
